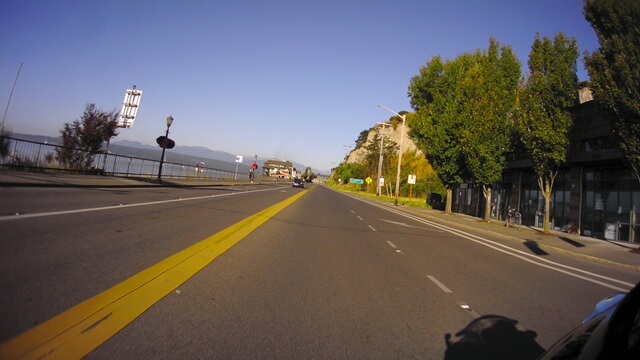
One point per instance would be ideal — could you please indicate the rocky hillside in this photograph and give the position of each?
(357, 155)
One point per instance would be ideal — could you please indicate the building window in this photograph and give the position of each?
(597, 144)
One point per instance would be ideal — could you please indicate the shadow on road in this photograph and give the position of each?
(492, 337)
(535, 248)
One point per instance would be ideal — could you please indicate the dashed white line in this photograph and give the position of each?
(468, 310)
(360, 217)
(530, 258)
(371, 227)
(440, 285)
(392, 244)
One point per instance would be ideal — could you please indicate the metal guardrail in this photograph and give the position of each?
(32, 155)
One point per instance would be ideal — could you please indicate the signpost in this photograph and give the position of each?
(411, 181)
(254, 167)
(238, 161)
(129, 108)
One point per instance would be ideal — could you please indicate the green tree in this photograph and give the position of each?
(372, 156)
(4, 142)
(362, 138)
(546, 99)
(614, 69)
(488, 94)
(415, 163)
(346, 171)
(435, 126)
(83, 138)
(465, 111)
(308, 175)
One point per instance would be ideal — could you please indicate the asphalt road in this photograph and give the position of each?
(328, 276)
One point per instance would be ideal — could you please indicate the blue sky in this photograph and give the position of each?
(291, 80)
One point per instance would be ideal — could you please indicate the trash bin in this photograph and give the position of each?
(539, 219)
(435, 201)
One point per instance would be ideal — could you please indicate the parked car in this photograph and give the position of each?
(298, 182)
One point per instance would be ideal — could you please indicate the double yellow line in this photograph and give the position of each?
(82, 328)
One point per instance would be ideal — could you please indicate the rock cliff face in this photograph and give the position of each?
(357, 155)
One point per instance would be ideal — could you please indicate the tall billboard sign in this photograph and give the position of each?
(130, 108)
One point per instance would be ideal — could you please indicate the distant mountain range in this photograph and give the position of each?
(179, 154)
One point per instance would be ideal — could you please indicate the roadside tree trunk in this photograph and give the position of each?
(487, 207)
(447, 209)
(546, 186)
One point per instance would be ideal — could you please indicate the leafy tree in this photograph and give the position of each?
(464, 112)
(614, 69)
(4, 142)
(362, 138)
(346, 171)
(308, 175)
(372, 156)
(432, 127)
(546, 99)
(488, 92)
(426, 178)
(435, 124)
(83, 138)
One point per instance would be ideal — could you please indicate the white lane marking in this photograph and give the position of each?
(530, 258)
(397, 223)
(371, 227)
(392, 244)
(352, 211)
(120, 206)
(468, 310)
(440, 285)
(359, 217)
(409, 226)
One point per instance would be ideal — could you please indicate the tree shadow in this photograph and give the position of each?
(535, 248)
(571, 242)
(492, 337)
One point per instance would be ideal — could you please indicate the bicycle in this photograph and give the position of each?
(513, 219)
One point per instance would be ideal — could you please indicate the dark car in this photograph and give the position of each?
(612, 331)
(297, 182)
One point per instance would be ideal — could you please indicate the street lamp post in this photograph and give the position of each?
(164, 147)
(380, 158)
(403, 117)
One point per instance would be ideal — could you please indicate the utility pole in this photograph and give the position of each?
(9, 102)
(379, 189)
(404, 120)
(346, 150)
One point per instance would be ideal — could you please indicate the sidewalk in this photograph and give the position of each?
(621, 254)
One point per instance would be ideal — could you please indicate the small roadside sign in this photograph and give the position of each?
(412, 179)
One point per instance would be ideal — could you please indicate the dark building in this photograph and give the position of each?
(595, 194)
